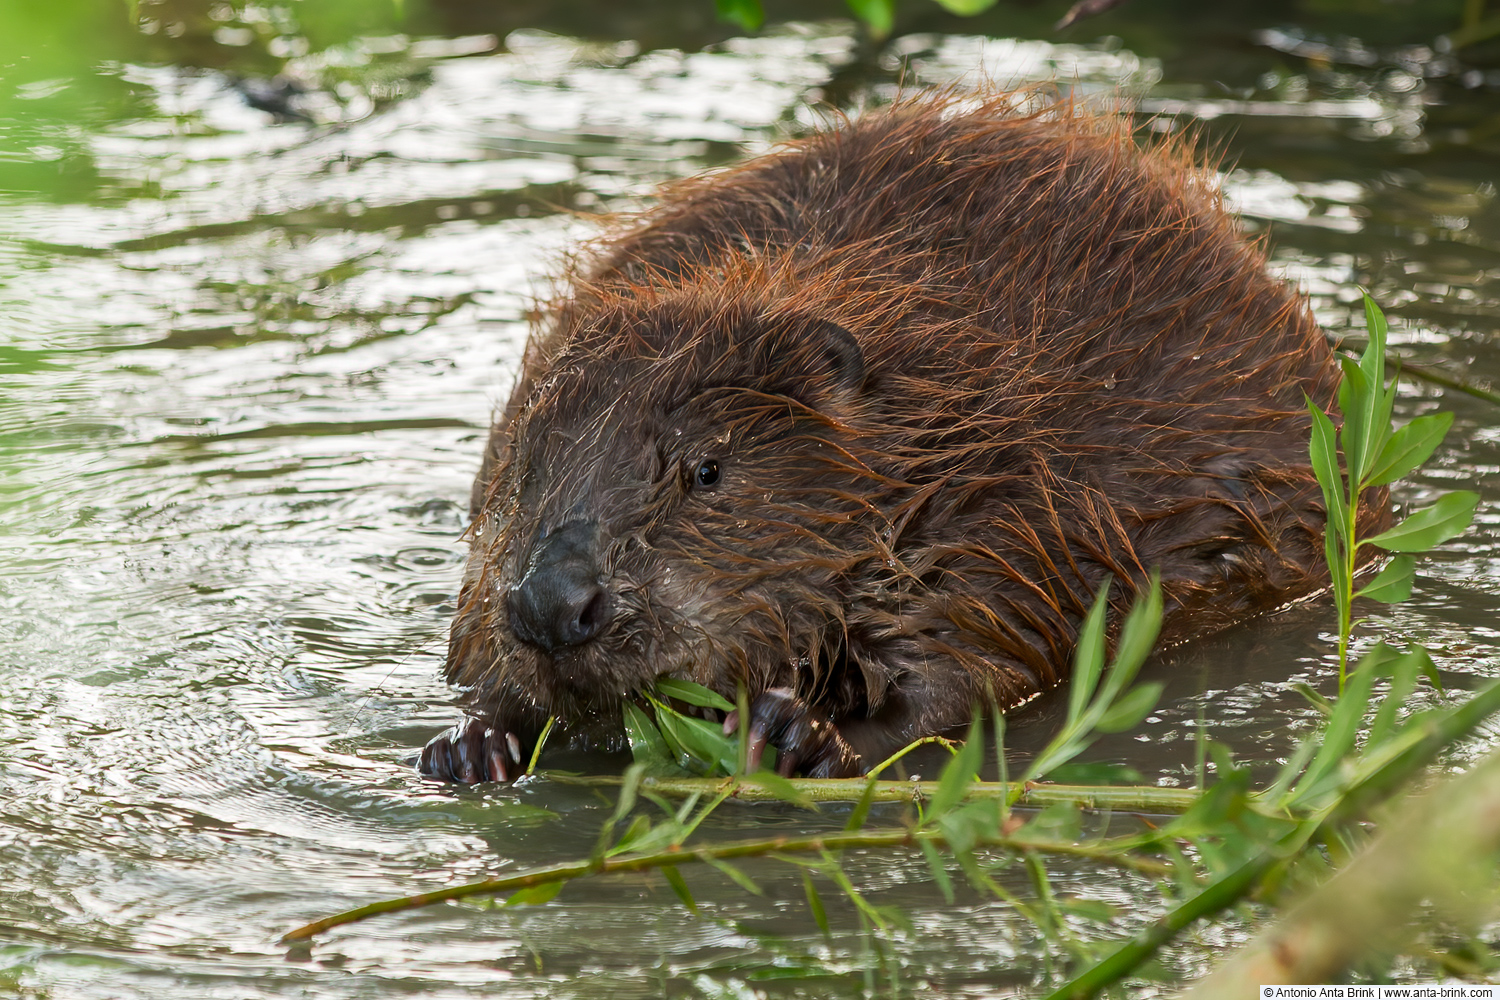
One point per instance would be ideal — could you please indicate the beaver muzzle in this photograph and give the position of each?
(560, 601)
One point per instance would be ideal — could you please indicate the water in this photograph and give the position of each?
(245, 372)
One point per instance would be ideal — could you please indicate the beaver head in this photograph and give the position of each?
(683, 494)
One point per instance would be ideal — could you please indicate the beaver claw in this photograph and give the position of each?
(470, 752)
(806, 741)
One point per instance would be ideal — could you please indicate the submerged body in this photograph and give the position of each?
(864, 425)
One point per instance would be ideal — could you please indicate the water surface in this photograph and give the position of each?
(245, 372)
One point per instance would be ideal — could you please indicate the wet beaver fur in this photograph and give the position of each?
(864, 424)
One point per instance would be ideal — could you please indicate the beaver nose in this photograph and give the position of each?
(559, 602)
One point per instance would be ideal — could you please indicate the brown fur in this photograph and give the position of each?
(958, 364)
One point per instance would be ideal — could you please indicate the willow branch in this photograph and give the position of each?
(1440, 851)
(1126, 798)
(1112, 852)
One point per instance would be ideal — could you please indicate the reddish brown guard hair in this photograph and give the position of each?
(864, 424)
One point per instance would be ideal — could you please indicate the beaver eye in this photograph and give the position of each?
(707, 473)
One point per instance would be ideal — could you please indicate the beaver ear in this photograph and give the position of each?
(814, 360)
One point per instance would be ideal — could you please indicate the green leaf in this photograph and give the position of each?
(1223, 758)
(675, 880)
(880, 15)
(692, 693)
(1137, 637)
(1403, 673)
(638, 828)
(630, 784)
(1429, 670)
(1337, 738)
(958, 773)
(746, 13)
(1372, 361)
(782, 788)
(1088, 909)
(648, 838)
(1277, 792)
(1393, 583)
(1316, 700)
(1088, 660)
(534, 895)
(1356, 402)
(739, 877)
(1130, 708)
(815, 904)
(1446, 519)
(939, 869)
(1097, 773)
(966, 8)
(705, 747)
(1375, 323)
(646, 745)
(861, 811)
(1325, 464)
(1409, 447)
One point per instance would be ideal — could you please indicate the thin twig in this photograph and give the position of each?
(1111, 852)
(1119, 798)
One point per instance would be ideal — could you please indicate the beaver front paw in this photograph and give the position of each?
(473, 751)
(806, 740)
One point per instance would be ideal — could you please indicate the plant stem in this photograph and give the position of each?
(1132, 798)
(1442, 847)
(1224, 892)
(1378, 784)
(1112, 852)
(1346, 584)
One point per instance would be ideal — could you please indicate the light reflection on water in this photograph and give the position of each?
(241, 398)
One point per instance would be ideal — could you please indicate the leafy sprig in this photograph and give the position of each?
(1376, 454)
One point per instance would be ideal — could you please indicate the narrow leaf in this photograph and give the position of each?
(1088, 660)
(782, 788)
(706, 748)
(1428, 669)
(1325, 464)
(693, 694)
(815, 904)
(1316, 700)
(1137, 637)
(879, 15)
(1356, 402)
(736, 875)
(1393, 583)
(1372, 361)
(629, 785)
(675, 880)
(958, 773)
(745, 13)
(1446, 519)
(861, 810)
(1097, 773)
(1409, 447)
(1130, 708)
(939, 869)
(1339, 735)
(966, 8)
(1403, 681)
(534, 895)
(638, 828)
(646, 744)
(1088, 909)
(1375, 323)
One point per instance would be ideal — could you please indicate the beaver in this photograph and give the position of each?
(864, 424)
